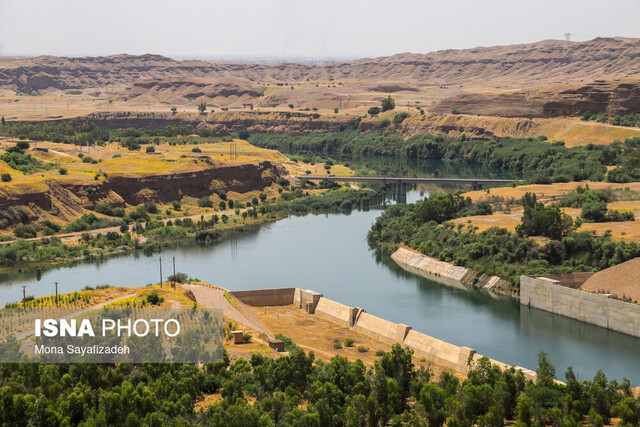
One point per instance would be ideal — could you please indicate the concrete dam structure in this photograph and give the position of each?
(438, 351)
(559, 294)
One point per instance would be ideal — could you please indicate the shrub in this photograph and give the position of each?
(62, 171)
(178, 278)
(246, 337)
(151, 149)
(24, 231)
(205, 202)
(196, 150)
(154, 299)
(362, 349)
(348, 342)
(374, 111)
(5, 177)
(400, 117)
(337, 344)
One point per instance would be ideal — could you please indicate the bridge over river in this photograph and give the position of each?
(401, 181)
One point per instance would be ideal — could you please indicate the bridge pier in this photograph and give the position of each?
(401, 192)
(476, 186)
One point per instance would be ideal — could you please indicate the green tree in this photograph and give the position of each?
(202, 107)
(374, 111)
(388, 103)
(174, 110)
(594, 210)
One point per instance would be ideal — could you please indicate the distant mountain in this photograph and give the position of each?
(515, 66)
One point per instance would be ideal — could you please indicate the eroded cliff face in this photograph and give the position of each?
(240, 178)
(613, 98)
(67, 201)
(224, 123)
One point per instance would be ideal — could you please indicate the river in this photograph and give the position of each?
(329, 254)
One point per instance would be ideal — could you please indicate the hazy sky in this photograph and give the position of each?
(298, 28)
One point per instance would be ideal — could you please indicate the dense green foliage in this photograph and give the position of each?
(495, 251)
(594, 205)
(299, 390)
(541, 220)
(16, 158)
(632, 120)
(545, 162)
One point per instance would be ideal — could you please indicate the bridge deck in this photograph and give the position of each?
(405, 180)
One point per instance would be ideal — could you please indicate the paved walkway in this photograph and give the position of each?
(209, 297)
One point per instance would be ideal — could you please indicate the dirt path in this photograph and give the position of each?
(214, 298)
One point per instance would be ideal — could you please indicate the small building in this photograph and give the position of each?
(238, 337)
(277, 345)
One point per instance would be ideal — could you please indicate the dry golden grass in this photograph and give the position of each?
(626, 230)
(313, 333)
(547, 191)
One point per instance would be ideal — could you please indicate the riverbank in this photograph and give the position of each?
(163, 234)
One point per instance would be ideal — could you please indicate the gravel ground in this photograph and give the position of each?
(622, 280)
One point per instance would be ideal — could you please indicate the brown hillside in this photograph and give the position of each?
(525, 65)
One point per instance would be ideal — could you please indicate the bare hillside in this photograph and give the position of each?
(526, 65)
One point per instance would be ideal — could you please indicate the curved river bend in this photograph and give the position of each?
(329, 254)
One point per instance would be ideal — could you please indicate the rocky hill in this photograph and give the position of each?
(525, 65)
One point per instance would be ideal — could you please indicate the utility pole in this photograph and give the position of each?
(160, 272)
(567, 36)
(56, 293)
(174, 273)
(24, 293)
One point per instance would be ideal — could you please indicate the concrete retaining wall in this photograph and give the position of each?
(336, 312)
(438, 351)
(381, 329)
(304, 298)
(425, 266)
(598, 309)
(266, 297)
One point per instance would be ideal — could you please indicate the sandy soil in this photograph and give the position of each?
(313, 333)
(621, 280)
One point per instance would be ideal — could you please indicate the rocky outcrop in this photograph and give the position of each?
(21, 202)
(241, 178)
(612, 98)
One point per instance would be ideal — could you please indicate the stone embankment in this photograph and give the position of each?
(432, 349)
(431, 268)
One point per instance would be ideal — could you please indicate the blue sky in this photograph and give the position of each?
(298, 28)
